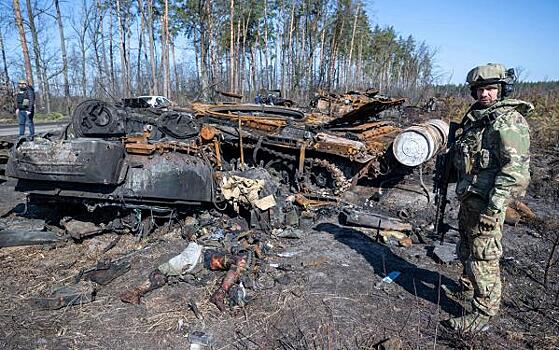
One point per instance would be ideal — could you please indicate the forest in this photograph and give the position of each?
(189, 49)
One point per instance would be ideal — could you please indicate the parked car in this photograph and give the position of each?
(157, 101)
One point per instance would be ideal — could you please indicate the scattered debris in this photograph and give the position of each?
(307, 201)
(105, 271)
(80, 229)
(391, 277)
(194, 307)
(155, 280)
(66, 296)
(445, 252)
(289, 232)
(184, 262)
(518, 212)
(5, 145)
(405, 242)
(21, 237)
(289, 254)
(200, 340)
(236, 267)
(355, 217)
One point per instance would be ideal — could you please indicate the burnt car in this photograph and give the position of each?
(273, 98)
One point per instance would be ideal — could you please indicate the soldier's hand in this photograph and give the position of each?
(488, 222)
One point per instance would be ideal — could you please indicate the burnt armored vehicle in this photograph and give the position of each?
(114, 154)
(344, 138)
(145, 159)
(125, 167)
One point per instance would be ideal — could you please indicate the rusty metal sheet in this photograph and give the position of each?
(336, 144)
(365, 111)
(146, 148)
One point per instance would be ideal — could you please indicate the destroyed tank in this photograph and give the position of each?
(149, 158)
(327, 150)
(114, 154)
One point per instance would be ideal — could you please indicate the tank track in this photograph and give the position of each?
(340, 182)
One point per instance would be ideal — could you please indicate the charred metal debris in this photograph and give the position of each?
(130, 168)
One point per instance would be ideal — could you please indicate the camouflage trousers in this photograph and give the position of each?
(479, 251)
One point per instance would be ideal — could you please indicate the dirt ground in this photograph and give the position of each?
(321, 291)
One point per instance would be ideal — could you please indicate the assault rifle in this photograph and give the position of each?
(443, 174)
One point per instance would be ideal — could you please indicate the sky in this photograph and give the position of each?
(520, 34)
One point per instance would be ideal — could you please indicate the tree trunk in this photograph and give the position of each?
(37, 53)
(5, 64)
(165, 53)
(122, 46)
(242, 54)
(290, 48)
(237, 61)
(349, 72)
(211, 44)
(64, 56)
(105, 66)
(153, 83)
(82, 33)
(175, 71)
(83, 62)
(266, 61)
(359, 79)
(252, 69)
(111, 53)
(321, 64)
(139, 79)
(231, 46)
(23, 41)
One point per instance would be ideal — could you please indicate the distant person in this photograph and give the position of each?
(25, 107)
(491, 156)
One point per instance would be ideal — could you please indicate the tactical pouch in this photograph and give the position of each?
(25, 102)
(487, 246)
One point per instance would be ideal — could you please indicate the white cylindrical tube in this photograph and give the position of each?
(419, 143)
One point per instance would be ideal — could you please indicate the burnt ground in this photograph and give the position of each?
(328, 294)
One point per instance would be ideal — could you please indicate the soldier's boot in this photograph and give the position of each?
(460, 294)
(471, 323)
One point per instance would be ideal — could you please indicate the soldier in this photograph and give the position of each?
(492, 158)
(25, 102)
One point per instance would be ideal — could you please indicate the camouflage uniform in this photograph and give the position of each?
(492, 159)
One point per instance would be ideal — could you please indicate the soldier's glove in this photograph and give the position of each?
(488, 221)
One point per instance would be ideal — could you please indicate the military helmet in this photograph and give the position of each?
(491, 73)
